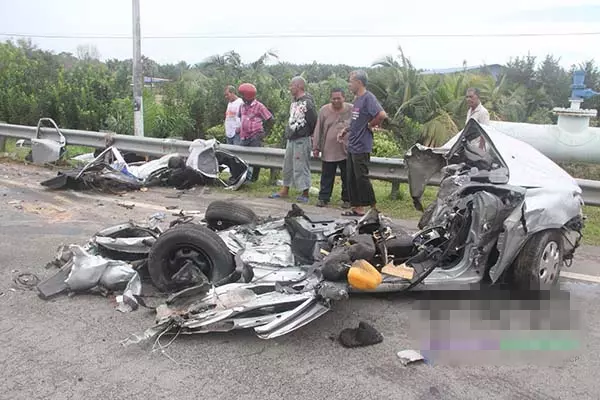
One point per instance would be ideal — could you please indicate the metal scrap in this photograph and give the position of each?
(26, 280)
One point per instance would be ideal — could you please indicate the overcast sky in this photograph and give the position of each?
(243, 17)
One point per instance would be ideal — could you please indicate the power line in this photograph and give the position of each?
(301, 36)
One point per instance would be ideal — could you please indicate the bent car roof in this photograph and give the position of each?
(527, 166)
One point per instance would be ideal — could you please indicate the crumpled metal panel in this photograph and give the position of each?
(137, 245)
(544, 208)
(202, 157)
(89, 271)
(267, 246)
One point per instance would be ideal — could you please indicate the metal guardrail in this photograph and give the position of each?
(386, 169)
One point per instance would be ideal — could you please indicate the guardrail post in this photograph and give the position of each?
(395, 190)
(2, 141)
(274, 174)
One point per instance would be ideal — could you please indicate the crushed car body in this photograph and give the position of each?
(489, 224)
(108, 171)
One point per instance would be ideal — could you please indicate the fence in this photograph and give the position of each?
(387, 169)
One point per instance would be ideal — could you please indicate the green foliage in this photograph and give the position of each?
(83, 93)
(217, 132)
(384, 145)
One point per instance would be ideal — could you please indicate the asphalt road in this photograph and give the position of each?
(68, 348)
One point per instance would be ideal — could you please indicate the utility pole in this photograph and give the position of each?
(138, 77)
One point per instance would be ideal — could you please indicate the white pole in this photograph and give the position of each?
(138, 77)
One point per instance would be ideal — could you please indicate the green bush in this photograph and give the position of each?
(384, 145)
(217, 132)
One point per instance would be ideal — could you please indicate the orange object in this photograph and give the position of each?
(363, 276)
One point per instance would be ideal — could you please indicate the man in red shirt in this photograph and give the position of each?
(255, 121)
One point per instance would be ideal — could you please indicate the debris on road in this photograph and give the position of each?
(234, 270)
(410, 356)
(110, 172)
(364, 335)
(128, 206)
(26, 280)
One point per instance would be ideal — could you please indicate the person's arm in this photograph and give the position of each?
(377, 120)
(268, 120)
(376, 112)
(311, 116)
(239, 117)
(317, 136)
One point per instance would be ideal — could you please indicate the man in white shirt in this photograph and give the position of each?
(478, 112)
(232, 119)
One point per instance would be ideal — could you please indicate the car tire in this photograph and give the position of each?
(225, 214)
(539, 263)
(189, 242)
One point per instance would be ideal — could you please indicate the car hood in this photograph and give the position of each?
(527, 166)
(516, 163)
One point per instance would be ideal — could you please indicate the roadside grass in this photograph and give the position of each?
(401, 208)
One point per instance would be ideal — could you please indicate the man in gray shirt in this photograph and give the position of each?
(333, 118)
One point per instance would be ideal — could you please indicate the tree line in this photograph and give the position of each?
(80, 92)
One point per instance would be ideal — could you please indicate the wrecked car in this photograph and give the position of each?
(504, 213)
(507, 210)
(108, 170)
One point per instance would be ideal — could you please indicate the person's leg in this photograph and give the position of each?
(353, 188)
(236, 139)
(230, 139)
(328, 170)
(255, 142)
(287, 171)
(344, 176)
(301, 167)
(361, 167)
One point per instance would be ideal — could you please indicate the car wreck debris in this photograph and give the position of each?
(364, 335)
(410, 356)
(499, 217)
(44, 150)
(109, 171)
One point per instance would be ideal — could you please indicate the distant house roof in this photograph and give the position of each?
(493, 68)
(151, 79)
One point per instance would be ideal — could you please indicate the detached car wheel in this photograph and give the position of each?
(189, 244)
(538, 265)
(225, 214)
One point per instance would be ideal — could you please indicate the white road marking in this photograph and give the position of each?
(580, 277)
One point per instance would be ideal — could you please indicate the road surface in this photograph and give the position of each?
(69, 348)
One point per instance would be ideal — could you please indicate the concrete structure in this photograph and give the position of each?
(572, 139)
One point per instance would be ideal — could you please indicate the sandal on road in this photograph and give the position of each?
(276, 196)
(302, 199)
(352, 213)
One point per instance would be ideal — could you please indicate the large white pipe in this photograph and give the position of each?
(571, 140)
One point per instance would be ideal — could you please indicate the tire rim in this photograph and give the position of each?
(182, 254)
(548, 268)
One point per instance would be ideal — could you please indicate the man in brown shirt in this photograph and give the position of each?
(333, 118)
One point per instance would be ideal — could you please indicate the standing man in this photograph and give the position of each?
(232, 119)
(478, 112)
(255, 122)
(298, 132)
(333, 118)
(367, 115)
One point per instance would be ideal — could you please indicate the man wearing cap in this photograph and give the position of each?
(255, 121)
